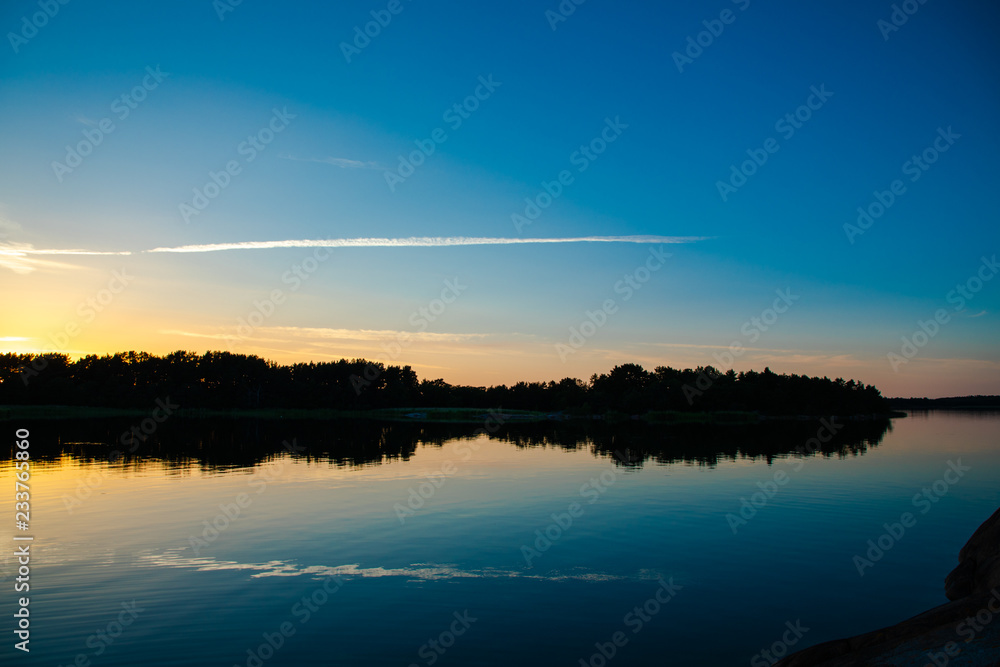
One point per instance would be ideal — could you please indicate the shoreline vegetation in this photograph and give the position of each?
(418, 415)
(223, 383)
(950, 403)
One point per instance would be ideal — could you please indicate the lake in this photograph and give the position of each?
(306, 542)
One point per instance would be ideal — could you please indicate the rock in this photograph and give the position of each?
(978, 568)
(962, 633)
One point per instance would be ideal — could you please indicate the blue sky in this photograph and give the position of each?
(345, 124)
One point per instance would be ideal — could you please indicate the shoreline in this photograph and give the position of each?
(426, 415)
(946, 633)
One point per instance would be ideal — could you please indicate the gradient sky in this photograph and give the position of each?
(323, 177)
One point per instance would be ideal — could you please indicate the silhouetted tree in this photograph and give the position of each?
(224, 380)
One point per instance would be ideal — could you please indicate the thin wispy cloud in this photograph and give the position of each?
(378, 334)
(21, 257)
(698, 346)
(327, 334)
(70, 251)
(342, 162)
(422, 241)
(191, 334)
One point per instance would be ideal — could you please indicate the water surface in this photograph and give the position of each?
(368, 541)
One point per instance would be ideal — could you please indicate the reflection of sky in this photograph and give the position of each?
(131, 538)
(517, 489)
(424, 571)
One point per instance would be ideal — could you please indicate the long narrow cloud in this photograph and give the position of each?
(20, 257)
(25, 249)
(421, 241)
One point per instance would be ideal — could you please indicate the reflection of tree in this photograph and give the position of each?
(219, 442)
(223, 380)
(636, 442)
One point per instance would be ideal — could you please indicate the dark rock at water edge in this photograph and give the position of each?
(962, 633)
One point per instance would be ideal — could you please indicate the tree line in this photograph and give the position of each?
(224, 380)
(952, 402)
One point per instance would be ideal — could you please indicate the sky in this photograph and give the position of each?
(527, 190)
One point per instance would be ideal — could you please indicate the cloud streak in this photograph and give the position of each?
(18, 257)
(421, 241)
(378, 334)
(342, 162)
(321, 335)
(21, 257)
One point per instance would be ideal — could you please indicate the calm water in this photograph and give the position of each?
(333, 542)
